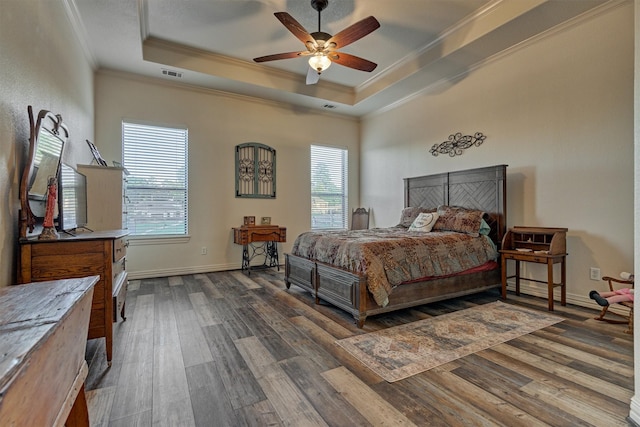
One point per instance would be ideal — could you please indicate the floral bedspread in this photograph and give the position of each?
(391, 256)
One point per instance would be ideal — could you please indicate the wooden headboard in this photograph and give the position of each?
(483, 189)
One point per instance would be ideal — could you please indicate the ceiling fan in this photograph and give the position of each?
(323, 47)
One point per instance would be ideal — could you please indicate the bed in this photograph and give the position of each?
(480, 189)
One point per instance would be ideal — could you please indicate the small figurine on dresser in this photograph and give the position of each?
(48, 230)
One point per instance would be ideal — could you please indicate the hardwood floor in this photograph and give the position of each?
(224, 349)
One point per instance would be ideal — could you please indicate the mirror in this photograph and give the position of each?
(45, 151)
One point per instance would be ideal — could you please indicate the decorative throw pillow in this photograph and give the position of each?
(458, 219)
(409, 215)
(424, 222)
(485, 229)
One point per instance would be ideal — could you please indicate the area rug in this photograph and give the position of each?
(402, 351)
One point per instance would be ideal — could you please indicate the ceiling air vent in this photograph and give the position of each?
(172, 73)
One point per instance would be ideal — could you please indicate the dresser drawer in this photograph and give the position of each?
(527, 256)
(259, 233)
(120, 248)
(117, 269)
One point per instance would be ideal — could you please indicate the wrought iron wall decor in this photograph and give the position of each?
(255, 171)
(456, 143)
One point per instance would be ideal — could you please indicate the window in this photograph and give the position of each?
(329, 199)
(156, 159)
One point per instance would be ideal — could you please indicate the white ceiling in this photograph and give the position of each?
(420, 43)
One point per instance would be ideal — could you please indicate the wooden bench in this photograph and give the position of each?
(43, 337)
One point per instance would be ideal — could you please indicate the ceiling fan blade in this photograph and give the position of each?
(354, 32)
(295, 27)
(312, 76)
(278, 56)
(352, 61)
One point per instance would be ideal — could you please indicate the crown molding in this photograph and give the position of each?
(565, 26)
(71, 9)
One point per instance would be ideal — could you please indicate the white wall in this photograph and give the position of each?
(217, 123)
(41, 64)
(559, 112)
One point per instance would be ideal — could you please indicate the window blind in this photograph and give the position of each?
(329, 199)
(156, 158)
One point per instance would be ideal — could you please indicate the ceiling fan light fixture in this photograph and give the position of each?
(319, 62)
(322, 47)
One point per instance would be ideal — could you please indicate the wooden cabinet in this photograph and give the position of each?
(259, 241)
(541, 245)
(106, 193)
(101, 253)
(42, 367)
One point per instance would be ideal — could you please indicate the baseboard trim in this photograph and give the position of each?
(634, 414)
(575, 299)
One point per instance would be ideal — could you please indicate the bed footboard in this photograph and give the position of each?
(335, 286)
(343, 289)
(349, 292)
(300, 272)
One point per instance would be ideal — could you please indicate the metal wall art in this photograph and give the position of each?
(255, 171)
(456, 143)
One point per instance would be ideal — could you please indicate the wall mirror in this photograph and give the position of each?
(46, 142)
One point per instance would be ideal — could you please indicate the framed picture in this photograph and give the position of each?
(265, 220)
(249, 220)
(255, 171)
(96, 154)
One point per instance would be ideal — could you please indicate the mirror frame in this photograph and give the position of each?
(53, 124)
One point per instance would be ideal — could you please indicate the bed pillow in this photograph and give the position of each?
(462, 220)
(410, 214)
(424, 222)
(485, 229)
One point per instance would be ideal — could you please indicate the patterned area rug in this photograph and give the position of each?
(405, 350)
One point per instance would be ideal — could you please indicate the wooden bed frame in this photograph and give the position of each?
(482, 189)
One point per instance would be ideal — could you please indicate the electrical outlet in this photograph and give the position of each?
(594, 273)
(203, 250)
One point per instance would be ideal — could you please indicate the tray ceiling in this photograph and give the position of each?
(211, 43)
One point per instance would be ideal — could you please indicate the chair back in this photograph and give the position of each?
(360, 219)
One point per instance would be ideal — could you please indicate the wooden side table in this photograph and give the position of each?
(259, 241)
(541, 245)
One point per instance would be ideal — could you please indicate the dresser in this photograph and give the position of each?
(99, 253)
